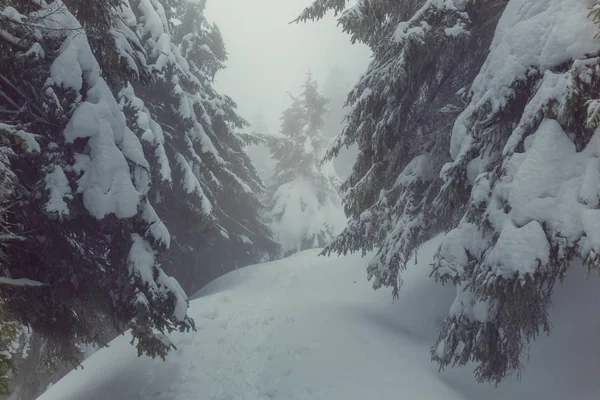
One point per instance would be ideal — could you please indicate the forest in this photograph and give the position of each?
(160, 239)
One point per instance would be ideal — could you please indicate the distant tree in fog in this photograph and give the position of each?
(304, 208)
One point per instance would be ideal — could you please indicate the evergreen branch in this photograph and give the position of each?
(8, 99)
(319, 8)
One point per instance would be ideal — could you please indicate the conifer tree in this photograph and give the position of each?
(525, 147)
(304, 207)
(121, 161)
(491, 140)
(208, 191)
(85, 236)
(400, 117)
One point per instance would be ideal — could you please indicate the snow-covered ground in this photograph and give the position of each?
(310, 327)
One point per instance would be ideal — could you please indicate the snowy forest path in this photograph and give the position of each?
(287, 333)
(242, 358)
(305, 327)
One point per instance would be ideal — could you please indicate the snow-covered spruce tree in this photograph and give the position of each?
(425, 54)
(207, 188)
(87, 251)
(528, 144)
(235, 186)
(518, 163)
(304, 206)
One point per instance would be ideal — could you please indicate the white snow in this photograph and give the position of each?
(35, 51)
(404, 28)
(245, 239)
(452, 253)
(301, 216)
(12, 14)
(142, 259)
(530, 35)
(124, 36)
(144, 266)
(305, 208)
(28, 139)
(191, 184)
(308, 327)
(156, 228)
(106, 183)
(152, 131)
(419, 168)
(553, 89)
(20, 282)
(593, 112)
(540, 187)
(152, 23)
(519, 249)
(466, 304)
(550, 184)
(456, 30)
(546, 182)
(57, 185)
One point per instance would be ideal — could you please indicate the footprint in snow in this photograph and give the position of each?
(298, 351)
(211, 314)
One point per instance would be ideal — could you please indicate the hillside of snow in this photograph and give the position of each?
(309, 327)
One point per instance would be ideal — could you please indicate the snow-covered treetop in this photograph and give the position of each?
(302, 142)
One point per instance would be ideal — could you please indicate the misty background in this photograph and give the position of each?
(269, 57)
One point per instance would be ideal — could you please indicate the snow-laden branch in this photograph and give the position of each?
(20, 282)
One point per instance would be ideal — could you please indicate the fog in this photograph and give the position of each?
(269, 56)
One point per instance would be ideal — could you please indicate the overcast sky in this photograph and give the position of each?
(268, 56)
